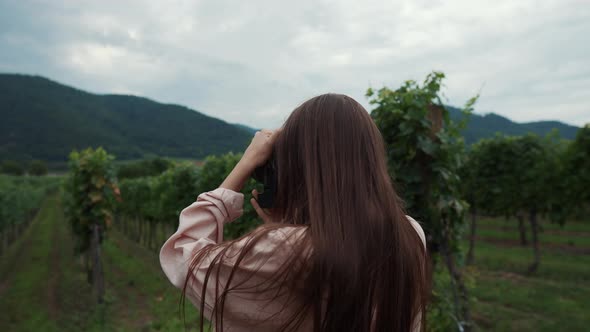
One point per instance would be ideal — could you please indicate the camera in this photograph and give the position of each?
(267, 176)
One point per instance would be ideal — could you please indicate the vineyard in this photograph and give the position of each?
(507, 222)
(20, 199)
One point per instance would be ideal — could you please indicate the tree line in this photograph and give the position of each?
(528, 177)
(13, 167)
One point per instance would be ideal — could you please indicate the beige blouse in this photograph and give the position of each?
(201, 224)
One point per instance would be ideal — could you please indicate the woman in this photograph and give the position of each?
(336, 251)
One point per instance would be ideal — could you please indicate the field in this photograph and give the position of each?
(554, 299)
(43, 287)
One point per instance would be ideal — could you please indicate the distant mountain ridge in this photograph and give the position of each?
(43, 119)
(487, 125)
(246, 128)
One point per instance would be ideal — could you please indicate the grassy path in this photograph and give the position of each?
(43, 285)
(139, 296)
(47, 290)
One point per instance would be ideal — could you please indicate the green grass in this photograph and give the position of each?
(23, 298)
(135, 277)
(553, 299)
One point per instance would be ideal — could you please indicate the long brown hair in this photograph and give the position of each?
(356, 263)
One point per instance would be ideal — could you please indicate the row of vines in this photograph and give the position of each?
(441, 180)
(151, 205)
(20, 199)
(144, 208)
(90, 193)
(528, 178)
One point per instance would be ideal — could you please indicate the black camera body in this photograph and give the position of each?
(267, 175)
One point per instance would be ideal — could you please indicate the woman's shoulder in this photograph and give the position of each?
(287, 231)
(284, 236)
(272, 239)
(268, 248)
(418, 229)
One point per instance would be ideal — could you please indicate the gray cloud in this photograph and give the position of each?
(253, 61)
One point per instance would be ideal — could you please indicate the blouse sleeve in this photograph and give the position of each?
(418, 229)
(201, 224)
(418, 322)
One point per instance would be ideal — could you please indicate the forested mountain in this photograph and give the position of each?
(248, 129)
(484, 126)
(42, 119)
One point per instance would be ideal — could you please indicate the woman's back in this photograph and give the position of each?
(252, 306)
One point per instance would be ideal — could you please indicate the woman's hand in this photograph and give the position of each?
(265, 215)
(255, 155)
(260, 148)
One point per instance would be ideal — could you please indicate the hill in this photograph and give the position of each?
(485, 126)
(42, 119)
(246, 128)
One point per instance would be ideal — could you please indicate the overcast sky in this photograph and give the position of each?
(252, 62)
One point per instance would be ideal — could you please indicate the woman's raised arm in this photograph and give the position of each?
(201, 224)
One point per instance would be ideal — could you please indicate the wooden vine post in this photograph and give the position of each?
(435, 116)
